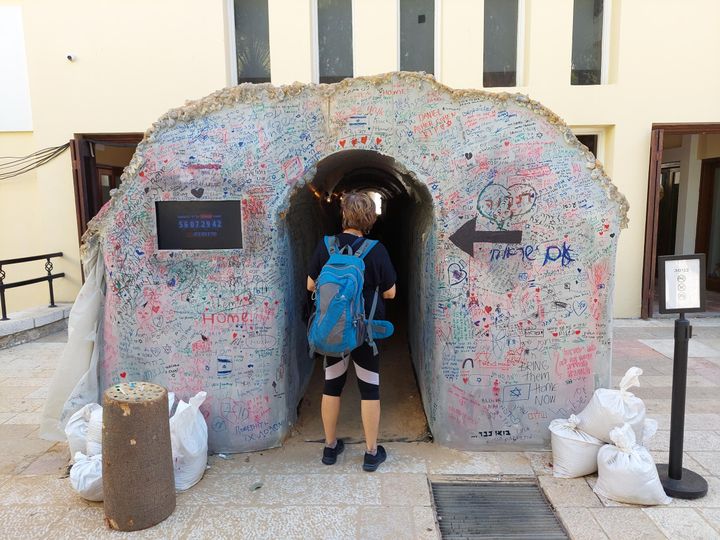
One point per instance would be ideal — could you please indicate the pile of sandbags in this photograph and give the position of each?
(579, 445)
(84, 435)
(188, 436)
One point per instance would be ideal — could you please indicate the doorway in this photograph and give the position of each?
(405, 210)
(683, 205)
(98, 160)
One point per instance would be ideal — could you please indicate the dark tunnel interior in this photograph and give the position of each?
(405, 219)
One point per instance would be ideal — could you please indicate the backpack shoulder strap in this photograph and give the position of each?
(331, 244)
(365, 248)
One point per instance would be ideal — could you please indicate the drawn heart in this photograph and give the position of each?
(488, 309)
(342, 143)
(155, 351)
(468, 155)
(500, 204)
(147, 190)
(378, 140)
(363, 139)
(354, 142)
(198, 192)
(456, 274)
(123, 375)
(579, 307)
(155, 309)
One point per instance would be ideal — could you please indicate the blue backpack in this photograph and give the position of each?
(338, 324)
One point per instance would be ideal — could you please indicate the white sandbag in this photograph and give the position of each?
(94, 433)
(627, 472)
(86, 476)
(609, 409)
(650, 427)
(189, 440)
(574, 451)
(77, 427)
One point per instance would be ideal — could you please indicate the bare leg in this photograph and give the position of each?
(330, 410)
(370, 412)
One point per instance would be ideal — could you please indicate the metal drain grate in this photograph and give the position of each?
(519, 510)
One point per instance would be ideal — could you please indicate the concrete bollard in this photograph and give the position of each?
(138, 481)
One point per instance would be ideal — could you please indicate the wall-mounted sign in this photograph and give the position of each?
(682, 283)
(186, 225)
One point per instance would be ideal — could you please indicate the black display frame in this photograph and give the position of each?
(202, 216)
(661, 279)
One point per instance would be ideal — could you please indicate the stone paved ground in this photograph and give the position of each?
(300, 498)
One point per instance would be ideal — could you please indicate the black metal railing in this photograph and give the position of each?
(49, 278)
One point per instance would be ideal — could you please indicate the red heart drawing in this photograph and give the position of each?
(342, 143)
(354, 142)
(378, 140)
(555, 334)
(537, 289)
(577, 332)
(234, 335)
(465, 379)
(363, 139)
(142, 173)
(606, 226)
(123, 375)
(509, 295)
(156, 309)
(488, 309)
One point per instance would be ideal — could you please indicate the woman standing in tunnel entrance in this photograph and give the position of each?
(358, 217)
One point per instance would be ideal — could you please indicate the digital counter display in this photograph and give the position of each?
(188, 225)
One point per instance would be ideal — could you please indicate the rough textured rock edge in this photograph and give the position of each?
(249, 93)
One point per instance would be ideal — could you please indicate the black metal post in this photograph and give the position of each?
(49, 268)
(3, 307)
(679, 482)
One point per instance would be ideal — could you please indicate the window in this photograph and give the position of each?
(15, 111)
(500, 43)
(593, 137)
(591, 141)
(252, 41)
(417, 35)
(334, 28)
(587, 42)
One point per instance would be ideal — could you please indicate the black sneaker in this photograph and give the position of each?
(330, 454)
(371, 463)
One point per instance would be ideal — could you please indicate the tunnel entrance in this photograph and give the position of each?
(405, 215)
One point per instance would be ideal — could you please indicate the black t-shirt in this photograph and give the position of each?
(379, 271)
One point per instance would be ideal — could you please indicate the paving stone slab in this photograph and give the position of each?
(627, 523)
(569, 492)
(288, 522)
(580, 524)
(681, 523)
(89, 522)
(22, 522)
(404, 490)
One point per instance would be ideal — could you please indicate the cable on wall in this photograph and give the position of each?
(17, 165)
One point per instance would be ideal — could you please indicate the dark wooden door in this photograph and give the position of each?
(707, 238)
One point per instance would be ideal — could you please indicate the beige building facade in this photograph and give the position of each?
(114, 68)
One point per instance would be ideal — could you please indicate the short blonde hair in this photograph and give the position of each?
(358, 211)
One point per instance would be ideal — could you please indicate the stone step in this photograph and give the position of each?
(33, 323)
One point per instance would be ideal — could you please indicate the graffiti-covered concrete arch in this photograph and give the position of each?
(511, 254)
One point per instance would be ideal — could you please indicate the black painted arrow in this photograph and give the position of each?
(466, 237)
